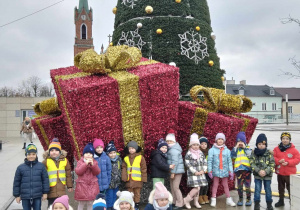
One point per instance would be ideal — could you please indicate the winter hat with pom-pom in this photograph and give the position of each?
(64, 200)
(55, 144)
(89, 149)
(97, 143)
(99, 203)
(161, 143)
(203, 139)
(194, 139)
(171, 136)
(110, 147)
(124, 196)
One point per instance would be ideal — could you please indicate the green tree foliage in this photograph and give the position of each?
(178, 22)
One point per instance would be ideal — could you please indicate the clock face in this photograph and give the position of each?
(83, 17)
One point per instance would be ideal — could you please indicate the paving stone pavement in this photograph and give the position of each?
(12, 155)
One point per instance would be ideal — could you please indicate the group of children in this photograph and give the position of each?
(101, 170)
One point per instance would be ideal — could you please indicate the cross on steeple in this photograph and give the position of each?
(109, 36)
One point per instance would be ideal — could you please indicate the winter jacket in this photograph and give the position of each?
(104, 177)
(131, 183)
(116, 170)
(175, 157)
(247, 152)
(214, 164)
(87, 187)
(31, 180)
(290, 155)
(149, 206)
(26, 128)
(194, 166)
(265, 162)
(159, 165)
(59, 189)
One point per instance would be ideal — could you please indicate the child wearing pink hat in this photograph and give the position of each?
(61, 203)
(160, 198)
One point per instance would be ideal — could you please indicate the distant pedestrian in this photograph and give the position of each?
(31, 182)
(26, 129)
(286, 158)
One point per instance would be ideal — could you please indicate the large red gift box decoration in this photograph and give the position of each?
(133, 103)
(212, 113)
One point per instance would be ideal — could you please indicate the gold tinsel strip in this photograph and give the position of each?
(37, 109)
(38, 122)
(130, 106)
(199, 121)
(49, 107)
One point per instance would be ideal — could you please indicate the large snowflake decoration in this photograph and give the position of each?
(129, 3)
(132, 39)
(193, 45)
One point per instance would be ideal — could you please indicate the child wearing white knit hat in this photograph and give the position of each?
(125, 201)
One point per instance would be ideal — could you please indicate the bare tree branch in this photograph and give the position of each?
(290, 20)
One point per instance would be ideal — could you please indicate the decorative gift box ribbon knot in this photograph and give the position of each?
(116, 58)
(47, 107)
(216, 100)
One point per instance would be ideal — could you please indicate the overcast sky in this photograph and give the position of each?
(251, 41)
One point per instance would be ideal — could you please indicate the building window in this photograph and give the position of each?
(273, 106)
(83, 31)
(290, 109)
(241, 92)
(264, 106)
(272, 92)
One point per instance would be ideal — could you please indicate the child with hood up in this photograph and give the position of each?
(220, 167)
(160, 198)
(59, 170)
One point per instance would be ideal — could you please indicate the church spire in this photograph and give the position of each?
(83, 4)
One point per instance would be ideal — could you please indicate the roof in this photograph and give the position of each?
(251, 90)
(83, 4)
(293, 93)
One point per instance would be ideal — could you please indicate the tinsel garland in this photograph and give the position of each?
(47, 107)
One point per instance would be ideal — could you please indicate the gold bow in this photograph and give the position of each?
(217, 100)
(47, 107)
(116, 58)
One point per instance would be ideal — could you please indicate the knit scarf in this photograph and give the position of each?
(259, 152)
(157, 207)
(283, 148)
(115, 159)
(195, 153)
(220, 155)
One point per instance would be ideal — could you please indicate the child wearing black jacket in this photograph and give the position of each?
(159, 163)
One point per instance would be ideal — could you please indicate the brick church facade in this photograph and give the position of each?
(83, 18)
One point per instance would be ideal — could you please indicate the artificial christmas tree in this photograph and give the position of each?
(177, 31)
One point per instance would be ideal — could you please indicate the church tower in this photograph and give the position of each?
(83, 18)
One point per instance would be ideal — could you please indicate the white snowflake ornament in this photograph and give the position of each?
(193, 45)
(129, 3)
(132, 39)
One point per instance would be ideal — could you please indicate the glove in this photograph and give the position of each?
(231, 176)
(210, 175)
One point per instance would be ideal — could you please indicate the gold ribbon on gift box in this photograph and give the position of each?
(114, 63)
(216, 100)
(47, 107)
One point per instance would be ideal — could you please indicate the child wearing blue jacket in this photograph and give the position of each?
(220, 167)
(104, 164)
(31, 182)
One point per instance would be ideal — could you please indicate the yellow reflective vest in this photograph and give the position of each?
(134, 170)
(54, 172)
(241, 159)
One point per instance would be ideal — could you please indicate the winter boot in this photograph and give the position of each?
(24, 146)
(201, 199)
(205, 197)
(213, 202)
(240, 202)
(248, 202)
(136, 207)
(196, 204)
(187, 201)
(230, 202)
(257, 205)
(279, 203)
(269, 205)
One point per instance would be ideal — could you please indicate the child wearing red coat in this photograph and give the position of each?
(87, 187)
(286, 158)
